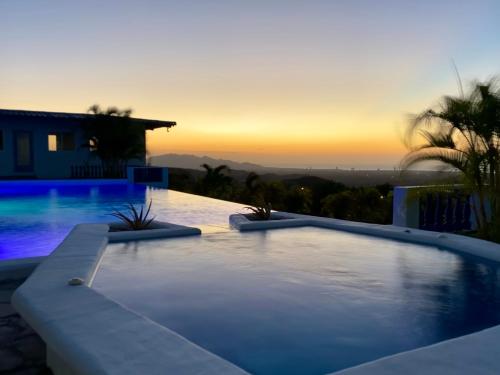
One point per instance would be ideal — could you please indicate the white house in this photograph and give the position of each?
(48, 145)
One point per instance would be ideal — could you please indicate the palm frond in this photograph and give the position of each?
(454, 158)
(219, 169)
(439, 139)
(207, 167)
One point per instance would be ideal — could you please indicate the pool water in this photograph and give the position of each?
(35, 216)
(302, 300)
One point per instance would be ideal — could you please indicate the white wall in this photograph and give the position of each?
(405, 209)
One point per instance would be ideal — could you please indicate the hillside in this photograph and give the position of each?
(186, 161)
(189, 166)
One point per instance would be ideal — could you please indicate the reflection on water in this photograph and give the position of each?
(36, 216)
(458, 307)
(303, 300)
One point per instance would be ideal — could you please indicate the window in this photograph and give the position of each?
(52, 142)
(67, 141)
(1, 140)
(61, 142)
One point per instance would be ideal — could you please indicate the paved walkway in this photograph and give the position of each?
(22, 352)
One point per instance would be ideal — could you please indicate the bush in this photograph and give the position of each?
(363, 204)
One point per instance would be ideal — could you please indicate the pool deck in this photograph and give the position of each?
(22, 351)
(89, 334)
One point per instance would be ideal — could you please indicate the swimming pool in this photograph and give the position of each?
(35, 216)
(302, 300)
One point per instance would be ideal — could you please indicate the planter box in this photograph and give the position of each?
(118, 232)
(278, 220)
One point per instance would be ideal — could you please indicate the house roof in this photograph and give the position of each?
(148, 124)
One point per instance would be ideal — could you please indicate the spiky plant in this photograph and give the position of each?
(261, 212)
(134, 219)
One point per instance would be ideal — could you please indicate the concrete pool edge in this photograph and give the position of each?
(454, 242)
(89, 334)
(164, 230)
(475, 353)
(75, 321)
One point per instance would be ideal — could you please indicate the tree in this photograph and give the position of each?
(298, 199)
(317, 188)
(252, 182)
(216, 183)
(274, 192)
(365, 204)
(464, 133)
(113, 138)
(340, 205)
(251, 192)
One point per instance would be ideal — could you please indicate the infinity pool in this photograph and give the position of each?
(302, 300)
(35, 216)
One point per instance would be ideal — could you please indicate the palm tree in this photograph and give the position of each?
(252, 182)
(215, 182)
(113, 138)
(464, 133)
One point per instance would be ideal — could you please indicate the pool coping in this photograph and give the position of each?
(475, 353)
(163, 230)
(448, 241)
(73, 181)
(87, 333)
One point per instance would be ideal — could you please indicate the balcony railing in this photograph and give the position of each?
(148, 175)
(441, 209)
(98, 171)
(445, 212)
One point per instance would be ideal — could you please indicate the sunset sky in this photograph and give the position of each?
(312, 83)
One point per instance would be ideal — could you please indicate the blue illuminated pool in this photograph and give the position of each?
(302, 300)
(35, 216)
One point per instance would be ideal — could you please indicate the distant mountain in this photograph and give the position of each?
(190, 165)
(194, 162)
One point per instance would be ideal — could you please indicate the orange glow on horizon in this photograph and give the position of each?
(172, 143)
(279, 83)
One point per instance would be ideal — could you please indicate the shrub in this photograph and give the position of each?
(135, 220)
(363, 204)
(261, 212)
